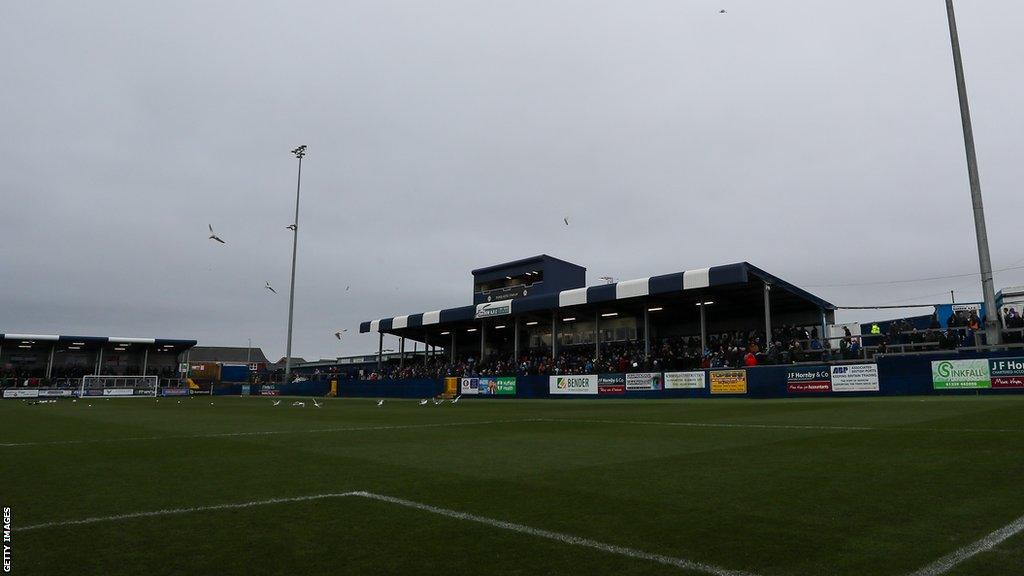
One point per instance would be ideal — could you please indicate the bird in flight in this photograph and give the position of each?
(271, 288)
(276, 403)
(380, 403)
(213, 236)
(291, 227)
(566, 220)
(338, 334)
(423, 402)
(722, 11)
(346, 288)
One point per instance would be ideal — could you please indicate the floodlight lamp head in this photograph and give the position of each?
(300, 151)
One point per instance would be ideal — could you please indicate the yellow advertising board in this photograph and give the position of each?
(451, 386)
(728, 381)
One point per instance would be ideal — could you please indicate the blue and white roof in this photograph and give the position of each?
(94, 340)
(677, 282)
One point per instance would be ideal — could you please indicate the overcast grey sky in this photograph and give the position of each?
(820, 141)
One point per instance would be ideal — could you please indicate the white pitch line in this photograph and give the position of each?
(560, 537)
(779, 426)
(259, 433)
(948, 562)
(501, 524)
(177, 511)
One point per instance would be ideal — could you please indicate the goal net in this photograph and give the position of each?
(119, 386)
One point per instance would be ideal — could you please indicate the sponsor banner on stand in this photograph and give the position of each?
(586, 384)
(56, 393)
(611, 384)
(804, 379)
(728, 381)
(643, 381)
(118, 391)
(504, 386)
(175, 392)
(269, 391)
(499, 308)
(960, 374)
(855, 378)
(470, 385)
(678, 380)
(23, 393)
(1007, 373)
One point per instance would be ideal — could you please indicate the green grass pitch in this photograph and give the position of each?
(850, 486)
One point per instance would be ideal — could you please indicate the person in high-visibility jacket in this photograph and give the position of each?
(875, 329)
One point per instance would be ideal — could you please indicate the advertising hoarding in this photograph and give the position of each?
(687, 380)
(23, 393)
(1007, 373)
(504, 386)
(643, 381)
(573, 384)
(855, 378)
(728, 381)
(960, 374)
(611, 384)
(806, 379)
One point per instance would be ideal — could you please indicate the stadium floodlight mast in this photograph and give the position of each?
(992, 332)
(299, 153)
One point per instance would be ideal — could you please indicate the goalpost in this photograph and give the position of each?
(119, 386)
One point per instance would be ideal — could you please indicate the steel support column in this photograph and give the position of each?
(767, 311)
(647, 333)
(703, 328)
(49, 361)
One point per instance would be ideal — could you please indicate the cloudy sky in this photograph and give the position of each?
(820, 141)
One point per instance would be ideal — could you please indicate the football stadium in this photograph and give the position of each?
(645, 426)
(812, 364)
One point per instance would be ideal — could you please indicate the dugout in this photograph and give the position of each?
(567, 313)
(53, 357)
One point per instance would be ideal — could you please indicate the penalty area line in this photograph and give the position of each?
(993, 539)
(563, 538)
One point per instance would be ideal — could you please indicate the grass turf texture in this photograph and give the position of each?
(927, 476)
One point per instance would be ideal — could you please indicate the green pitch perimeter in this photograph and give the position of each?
(770, 487)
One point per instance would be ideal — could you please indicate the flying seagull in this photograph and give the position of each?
(423, 402)
(346, 288)
(276, 403)
(271, 288)
(213, 236)
(291, 227)
(456, 400)
(380, 403)
(566, 220)
(722, 11)
(338, 334)
(315, 403)
(299, 403)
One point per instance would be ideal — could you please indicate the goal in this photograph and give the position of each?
(119, 386)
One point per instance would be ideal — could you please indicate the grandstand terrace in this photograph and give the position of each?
(536, 315)
(39, 359)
